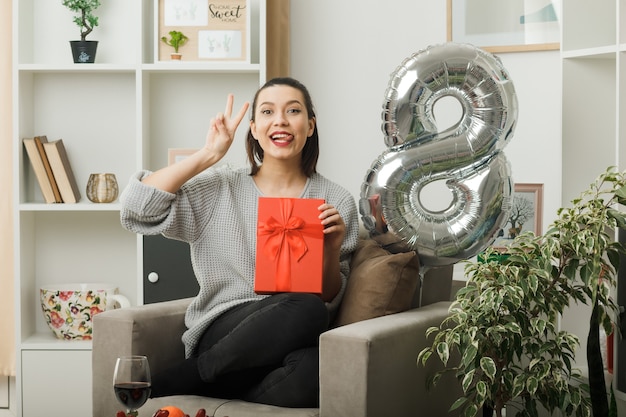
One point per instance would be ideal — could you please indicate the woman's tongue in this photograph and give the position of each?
(282, 139)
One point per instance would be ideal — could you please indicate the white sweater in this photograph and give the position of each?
(216, 213)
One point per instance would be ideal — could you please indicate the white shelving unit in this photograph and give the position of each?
(594, 105)
(118, 115)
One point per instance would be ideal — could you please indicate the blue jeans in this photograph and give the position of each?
(264, 351)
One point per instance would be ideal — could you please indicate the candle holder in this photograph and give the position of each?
(102, 188)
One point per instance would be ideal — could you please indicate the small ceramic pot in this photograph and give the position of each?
(69, 308)
(84, 52)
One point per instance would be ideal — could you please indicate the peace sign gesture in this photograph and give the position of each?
(222, 129)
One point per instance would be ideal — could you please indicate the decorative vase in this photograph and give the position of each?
(84, 52)
(69, 308)
(102, 188)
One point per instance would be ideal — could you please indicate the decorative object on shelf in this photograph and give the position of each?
(69, 308)
(505, 27)
(504, 324)
(84, 51)
(217, 29)
(176, 40)
(102, 188)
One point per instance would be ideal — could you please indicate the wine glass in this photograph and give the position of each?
(131, 382)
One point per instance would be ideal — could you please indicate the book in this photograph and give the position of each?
(39, 141)
(62, 170)
(40, 170)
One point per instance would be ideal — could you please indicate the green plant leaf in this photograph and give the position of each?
(467, 380)
(424, 355)
(458, 403)
(513, 327)
(538, 325)
(532, 384)
(575, 398)
(470, 411)
(534, 362)
(481, 391)
(431, 330)
(519, 384)
(469, 354)
(621, 195)
(443, 351)
(533, 283)
(488, 366)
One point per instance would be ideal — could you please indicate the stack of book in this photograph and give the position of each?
(52, 169)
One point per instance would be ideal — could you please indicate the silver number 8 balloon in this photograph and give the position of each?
(468, 156)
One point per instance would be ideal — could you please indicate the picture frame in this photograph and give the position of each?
(509, 26)
(527, 209)
(178, 154)
(218, 30)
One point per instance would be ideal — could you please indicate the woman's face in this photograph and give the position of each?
(281, 123)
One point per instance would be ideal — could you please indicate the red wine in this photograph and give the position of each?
(132, 394)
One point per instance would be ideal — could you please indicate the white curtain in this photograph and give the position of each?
(7, 313)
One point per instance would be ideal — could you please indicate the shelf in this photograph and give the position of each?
(198, 66)
(76, 68)
(48, 341)
(603, 52)
(80, 206)
(203, 67)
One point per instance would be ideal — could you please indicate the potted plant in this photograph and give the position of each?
(503, 324)
(84, 51)
(176, 40)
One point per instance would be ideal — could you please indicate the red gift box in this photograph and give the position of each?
(289, 246)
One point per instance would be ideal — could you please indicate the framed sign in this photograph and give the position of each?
(217, 30)
(505, 26)
(526, 213)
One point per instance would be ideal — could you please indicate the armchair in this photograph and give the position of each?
(367, 368)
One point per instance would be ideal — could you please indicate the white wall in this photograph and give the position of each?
(345, 52)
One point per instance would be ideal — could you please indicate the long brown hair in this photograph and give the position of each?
(311, 149)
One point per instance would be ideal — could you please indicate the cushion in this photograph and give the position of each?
(380, 283)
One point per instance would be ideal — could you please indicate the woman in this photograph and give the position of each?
(239, 344)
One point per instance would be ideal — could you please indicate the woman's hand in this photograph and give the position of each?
(334, 227)
(222, 129)
(334, 233)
